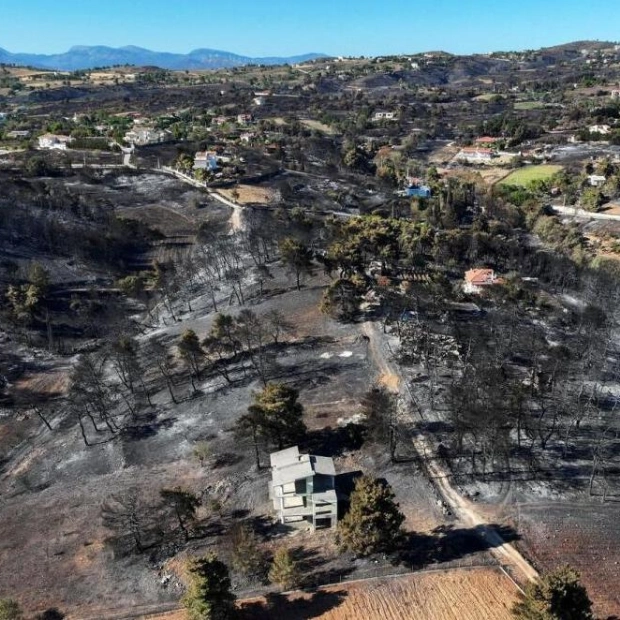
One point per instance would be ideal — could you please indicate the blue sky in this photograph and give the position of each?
(285, 27)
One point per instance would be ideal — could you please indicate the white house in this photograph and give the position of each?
(382, 115)
(53, 141)
(302, 488)
(475, 155)
(146, 135)
(596, 180)
(206, 160)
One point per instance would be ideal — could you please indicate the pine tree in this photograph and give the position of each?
(275, 416)
(297, 257)
(208, 596)
(10, 610)
(284, 571)
(373, 522)
(556, 596)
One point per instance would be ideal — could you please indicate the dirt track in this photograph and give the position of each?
(463, 509)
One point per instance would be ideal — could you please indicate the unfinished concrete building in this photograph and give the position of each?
(303, 488)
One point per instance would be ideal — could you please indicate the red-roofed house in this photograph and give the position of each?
(486, 140)
(477, 279)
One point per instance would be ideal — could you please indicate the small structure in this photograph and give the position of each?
(475, 155)
(596, 180)
(302, 488)
(206, 160)
(477, 279)
(247, 136)
(52, 141)
(244, 119)
(416, 190)
(383, 115)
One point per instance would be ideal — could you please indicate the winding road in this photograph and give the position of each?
(463, 509)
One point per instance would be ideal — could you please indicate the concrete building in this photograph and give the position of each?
(302, 488)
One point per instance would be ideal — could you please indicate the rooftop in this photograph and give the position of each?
(288, 465)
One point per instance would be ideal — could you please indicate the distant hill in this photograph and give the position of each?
(87, 57)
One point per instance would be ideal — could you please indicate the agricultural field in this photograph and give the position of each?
(474, 594)
(528, 105)
(248, 194)
(525, 176)
(581, 534)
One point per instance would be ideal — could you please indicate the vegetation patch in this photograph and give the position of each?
(525, 176)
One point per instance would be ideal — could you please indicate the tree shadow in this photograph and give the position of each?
(146, 428)
(447, 543)
(302, 607)
(333, 442)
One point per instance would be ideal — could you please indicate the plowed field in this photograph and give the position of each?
(476, 594)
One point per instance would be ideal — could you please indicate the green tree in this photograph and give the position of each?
(277, 415)
(556, 596)
(284, 570)
(373, 522)
(592, 198)
(342, 298)
(297, 257)
(10, 610)
(209, 595)
(184, 505)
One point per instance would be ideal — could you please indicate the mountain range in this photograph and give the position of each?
(89, 57)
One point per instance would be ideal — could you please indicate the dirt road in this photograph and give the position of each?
(465, 510)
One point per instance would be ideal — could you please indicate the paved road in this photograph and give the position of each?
(588, 215)
(465, 510)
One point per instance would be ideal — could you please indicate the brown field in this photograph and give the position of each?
(582, 535)
(476, 594)
(312, 124)
(249, 194)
